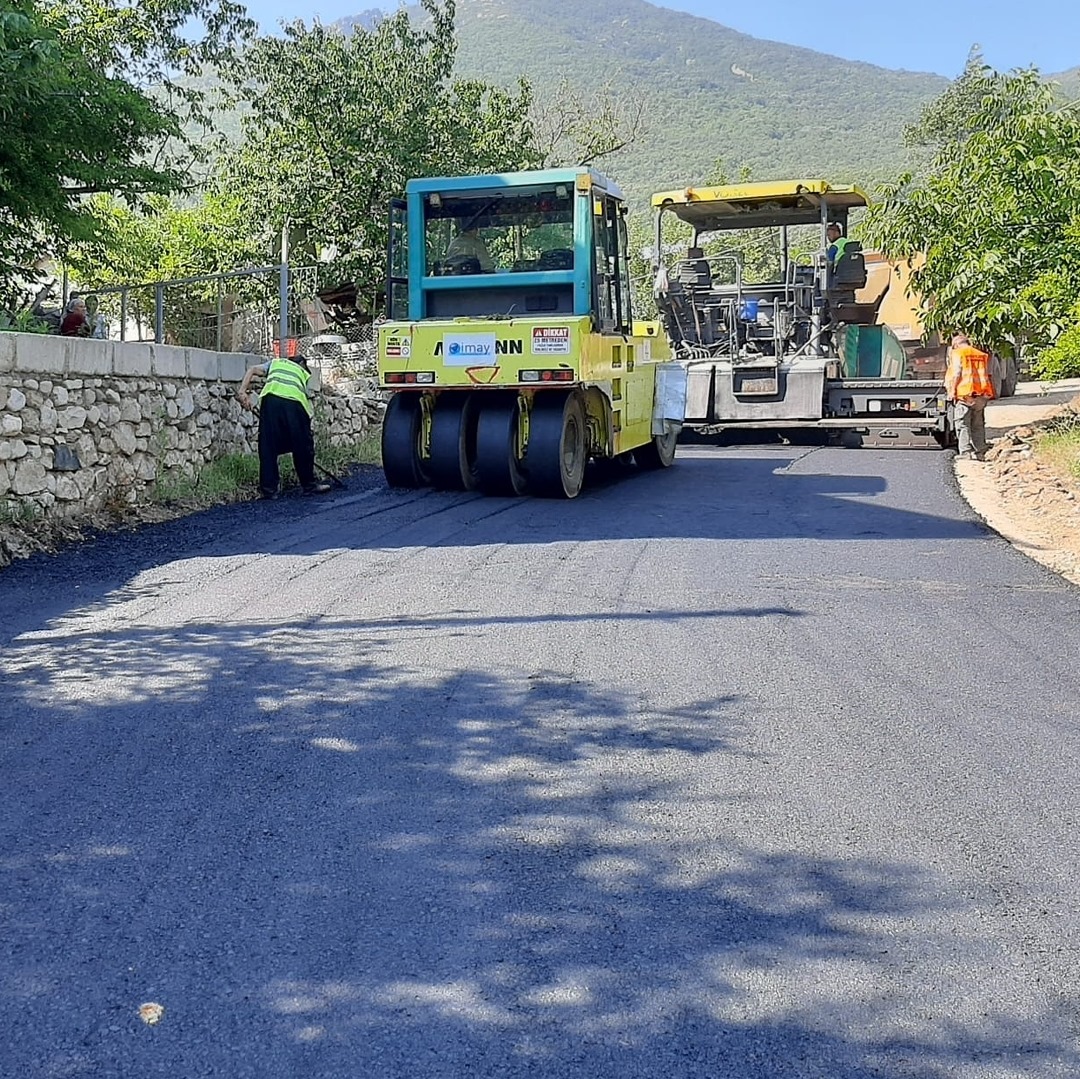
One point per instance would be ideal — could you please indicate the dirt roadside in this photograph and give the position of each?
(1031, 504)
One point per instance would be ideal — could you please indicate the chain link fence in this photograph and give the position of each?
(261, 311)
(347, 354)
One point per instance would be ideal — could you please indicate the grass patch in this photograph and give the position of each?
(232, 476)
(236, 476)
(1059, 445)
(368, 451)
(19, 513)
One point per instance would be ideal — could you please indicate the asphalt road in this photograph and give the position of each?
(765, 766)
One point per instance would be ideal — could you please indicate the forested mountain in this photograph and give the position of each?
(712, 92)
(1070, 83)
(365, 20)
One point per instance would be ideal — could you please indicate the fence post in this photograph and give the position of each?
(159, 314)
(219, 316)
(123, 314)
(283, 291)
(283, 301)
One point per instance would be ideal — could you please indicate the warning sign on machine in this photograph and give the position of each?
(551, 341)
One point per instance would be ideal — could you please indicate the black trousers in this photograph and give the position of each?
(284, 427)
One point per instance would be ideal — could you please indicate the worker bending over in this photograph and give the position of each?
(284, 423)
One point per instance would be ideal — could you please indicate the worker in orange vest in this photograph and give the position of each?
(969, 386)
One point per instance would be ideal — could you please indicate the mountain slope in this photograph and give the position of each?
(713, 92)
(1069, 81)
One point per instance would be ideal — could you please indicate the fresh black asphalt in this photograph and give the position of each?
(765, 766)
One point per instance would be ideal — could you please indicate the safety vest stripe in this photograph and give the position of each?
(292, 380)
(974, 379)
(288, 380)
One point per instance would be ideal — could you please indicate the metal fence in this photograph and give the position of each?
(263, 310)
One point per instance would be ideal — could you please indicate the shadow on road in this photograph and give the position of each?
(323, 863)
(764, 495)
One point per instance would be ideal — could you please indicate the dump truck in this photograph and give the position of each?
(510, 352)
(803, 346)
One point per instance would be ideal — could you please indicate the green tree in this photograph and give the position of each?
(163, 48)
(994, 208)
(77, 115)
(339, 122)
(66, 129)
(163, 240)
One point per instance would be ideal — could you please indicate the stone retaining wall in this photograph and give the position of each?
(85, 422)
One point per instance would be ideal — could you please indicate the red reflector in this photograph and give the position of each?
(546, 376)
(395, 376)
(410, 377)
(564, 376)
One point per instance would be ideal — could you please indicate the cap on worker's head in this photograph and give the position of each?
(959, 338)
(834, 225)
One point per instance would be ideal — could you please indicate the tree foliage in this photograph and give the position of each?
(339, 122)
(77, 114)
(995, 209)
(66, 129)
(164, 240)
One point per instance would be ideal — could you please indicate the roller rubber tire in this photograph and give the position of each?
(498, 471)
(556, 456)
(659, 453)
(401, 432)
(453, 443)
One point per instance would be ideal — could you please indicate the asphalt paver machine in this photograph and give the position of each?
(803, 346)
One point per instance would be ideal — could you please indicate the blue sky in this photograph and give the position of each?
(919, 35)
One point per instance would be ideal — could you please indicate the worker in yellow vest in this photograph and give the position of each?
(837, 241)
(970, 388)
(284, 423)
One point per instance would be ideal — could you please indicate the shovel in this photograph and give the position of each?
(335, 480)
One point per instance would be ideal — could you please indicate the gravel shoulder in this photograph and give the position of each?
(1020, 495)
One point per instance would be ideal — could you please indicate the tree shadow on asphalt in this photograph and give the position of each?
(755, 498)
(325, 863)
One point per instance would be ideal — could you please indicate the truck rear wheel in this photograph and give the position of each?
(453, 443)
(660, 452)
(556, 457)
(498, 470)
(1011, 377)
(402, 435)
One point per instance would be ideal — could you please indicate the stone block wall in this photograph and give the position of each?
(85, 422)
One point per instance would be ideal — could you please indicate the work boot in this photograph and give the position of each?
(316, 488)
(268, 496)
